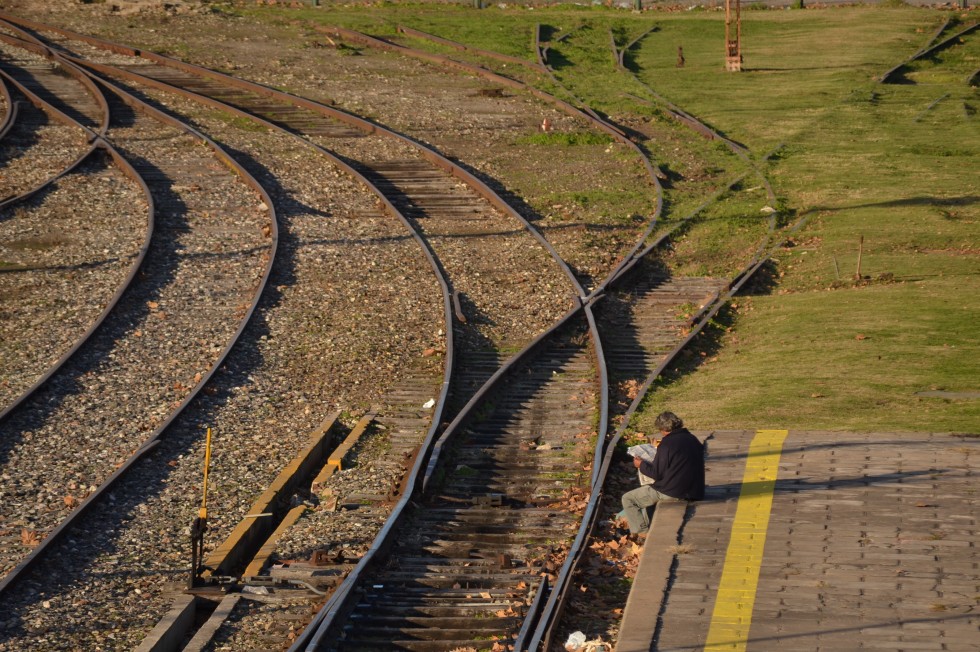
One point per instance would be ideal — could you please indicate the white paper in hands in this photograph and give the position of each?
(643, 451)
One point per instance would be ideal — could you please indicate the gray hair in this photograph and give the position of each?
(668, 422)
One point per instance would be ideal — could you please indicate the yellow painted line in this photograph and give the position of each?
(732, 616)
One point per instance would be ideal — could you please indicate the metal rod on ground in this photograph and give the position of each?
(836, 267)
(860, 253)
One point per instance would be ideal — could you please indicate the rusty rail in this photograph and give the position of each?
(55, 535)
(931, 47)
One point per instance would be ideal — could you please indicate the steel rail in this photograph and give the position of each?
(409, 494)
(680, 114)
(397, 513)
(165, 86)
(10, 116)
(337, 606)
(341, 596)
(362, 124)
(324, 623)
(450, 300)
(736, 148)
(604, 124)
(551, 612)
(127, 281)
(632, 261)
(368, 127)
(619, 54)
(543, 50)
(340, 601)
(885, 76)
(560, 594)
(427, 251)
(575, 112)
(127, 169)
(628, 46)
(628, 262)
(490, 54)
(589, 115)
(30, 192)
(928, 49)
(48, 543)
(611, 130)
(43, 106)
(32, 45)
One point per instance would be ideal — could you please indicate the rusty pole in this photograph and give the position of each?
(733, 46)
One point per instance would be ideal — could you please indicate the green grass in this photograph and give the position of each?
(820, 351)
(719, 240)
(843, 366)
(566, 139)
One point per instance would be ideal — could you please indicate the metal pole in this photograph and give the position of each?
(204, 490)
(860, 253)
(200, 524)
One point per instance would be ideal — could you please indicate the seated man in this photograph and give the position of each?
(677, 471)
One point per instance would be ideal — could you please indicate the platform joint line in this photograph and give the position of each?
(732, 615)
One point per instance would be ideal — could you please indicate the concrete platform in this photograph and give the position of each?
(822, 541)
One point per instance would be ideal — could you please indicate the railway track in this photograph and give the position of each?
(590, 241)
(203, 264)
(656, 302)
(525, 428)
(221, 233)
(423, 201)
(36, 146)
(435, 584)
(51, 254)
(424, 186)
(933, 46)
(493, 512)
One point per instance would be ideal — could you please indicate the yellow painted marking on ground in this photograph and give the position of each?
(732, 616)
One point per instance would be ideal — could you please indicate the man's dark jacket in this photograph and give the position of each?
(678, 466)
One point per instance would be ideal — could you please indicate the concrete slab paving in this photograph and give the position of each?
(870, 543)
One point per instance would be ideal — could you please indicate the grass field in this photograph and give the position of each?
(888, 172)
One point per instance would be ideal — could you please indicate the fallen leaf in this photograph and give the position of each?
(29, 538)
